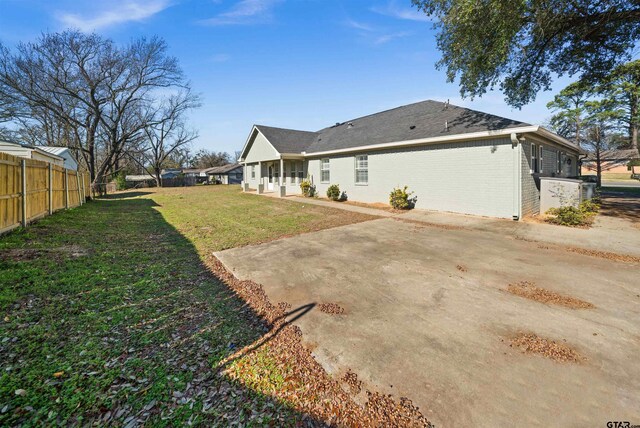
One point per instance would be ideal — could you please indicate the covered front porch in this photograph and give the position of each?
(280, 176)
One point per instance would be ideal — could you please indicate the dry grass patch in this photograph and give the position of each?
(604, 255)
(429, 224)
(530, 343)
(529, 290)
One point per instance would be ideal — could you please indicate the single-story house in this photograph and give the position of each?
(611, 162)
(197, 175)
(30, 152)
(65, 153)
(452, 158)
(226, 174)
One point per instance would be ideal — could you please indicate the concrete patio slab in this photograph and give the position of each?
(427, 317)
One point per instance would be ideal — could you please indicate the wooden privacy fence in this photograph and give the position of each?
(31, 189)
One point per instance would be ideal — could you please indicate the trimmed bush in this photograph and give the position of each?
(400, 199)
(574, 217)
(333, 192)
(308, 189)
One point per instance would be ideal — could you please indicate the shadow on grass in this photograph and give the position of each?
(133, 330)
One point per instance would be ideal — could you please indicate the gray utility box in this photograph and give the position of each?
(562, 192)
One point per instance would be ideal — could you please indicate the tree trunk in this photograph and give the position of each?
(158, 177)
(633, 122)
(598, 168)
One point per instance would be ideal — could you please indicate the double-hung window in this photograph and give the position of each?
(324, 171)
(540, 151)
(362, 169)
(253, 171)
(559, 162)
(293, 173)
(534, 158)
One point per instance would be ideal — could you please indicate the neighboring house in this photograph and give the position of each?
(65, 153)
(453, 158)
(30, 152)
(226, 174)
(169, 173)
(197, 175)
(612, 162)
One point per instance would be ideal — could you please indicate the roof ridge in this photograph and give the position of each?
(380, 112)
(285, 129)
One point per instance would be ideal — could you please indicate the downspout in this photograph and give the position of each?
(517, 176)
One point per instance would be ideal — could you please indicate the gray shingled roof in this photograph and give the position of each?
(424, 119)
(288, 140)
(222, 169)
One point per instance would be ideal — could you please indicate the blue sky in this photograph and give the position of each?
(302, 64)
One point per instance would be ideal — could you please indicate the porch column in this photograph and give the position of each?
(281, 172)
(260, 188)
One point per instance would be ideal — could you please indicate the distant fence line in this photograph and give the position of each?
(31, 189)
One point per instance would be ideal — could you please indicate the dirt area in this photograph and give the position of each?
(530, 343)
(58, 253)
(529, 290)
(426, 308)
(375, 205)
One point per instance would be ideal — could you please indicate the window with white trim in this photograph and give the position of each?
(301, 172)
(324, 171)
(540, 149)
(362, 169)
(293, 173)
(534, 158)
(559, 162)
(253, 171)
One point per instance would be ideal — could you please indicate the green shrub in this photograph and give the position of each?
(121, 182)
(574, 217)
(590, 206)
(333, 192)
(400, 199)
(308, 189)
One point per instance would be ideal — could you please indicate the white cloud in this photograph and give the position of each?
(245, 12)
(393, 10)
(358, 25)
(118, 13)
(389, 37)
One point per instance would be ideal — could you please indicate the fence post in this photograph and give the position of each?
(50, 188)
(24, 193)
(66, 189)
(79, 195)
(84, 190)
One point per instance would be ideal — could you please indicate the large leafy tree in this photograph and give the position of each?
(518, 45)
(569, 107)
(602, 130)
(622, 88)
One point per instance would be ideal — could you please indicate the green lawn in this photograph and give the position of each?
(110, 315)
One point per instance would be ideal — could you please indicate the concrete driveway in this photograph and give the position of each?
(427, 316)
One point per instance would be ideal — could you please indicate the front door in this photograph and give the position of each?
(270, 174)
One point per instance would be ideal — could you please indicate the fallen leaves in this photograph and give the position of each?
(306, 386)
(530, 343)
(530, 291)
(331, 308)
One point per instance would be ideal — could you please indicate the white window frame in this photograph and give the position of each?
(253, 172)
(358, 168)
(293, 172)
(540, 155)
(301, 172)
(559, 162)
(534, 158)
(325, 167)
